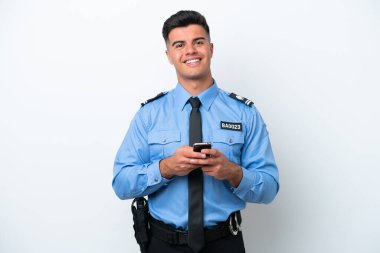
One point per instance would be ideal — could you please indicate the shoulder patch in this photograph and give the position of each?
(241, 99)
(152, 99)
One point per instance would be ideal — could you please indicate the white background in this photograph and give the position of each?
(72, 75)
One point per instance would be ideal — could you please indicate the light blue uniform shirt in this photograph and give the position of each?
(162, 126)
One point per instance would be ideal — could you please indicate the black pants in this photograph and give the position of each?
(229, 244)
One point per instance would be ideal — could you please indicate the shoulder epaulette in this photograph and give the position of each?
(241, 99)
(152, 99)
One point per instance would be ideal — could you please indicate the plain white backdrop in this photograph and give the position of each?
(73, 73)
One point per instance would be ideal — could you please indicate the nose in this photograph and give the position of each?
(191, 49)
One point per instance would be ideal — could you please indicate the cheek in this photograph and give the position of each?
(207, 54)
(176, 59)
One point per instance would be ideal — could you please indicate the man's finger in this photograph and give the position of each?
(187, 151)
(200, 161)
(212, 152)
(184, 150)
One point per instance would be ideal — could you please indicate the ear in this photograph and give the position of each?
(169, 57)
(212, 48)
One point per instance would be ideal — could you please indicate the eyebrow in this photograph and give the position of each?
(182, 41)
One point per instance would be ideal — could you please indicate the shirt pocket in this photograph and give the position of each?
(163, 143)
(229, 142)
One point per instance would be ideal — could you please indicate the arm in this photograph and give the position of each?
(135, 174)
(260, 182)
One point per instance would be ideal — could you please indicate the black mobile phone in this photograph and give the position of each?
(197, 147)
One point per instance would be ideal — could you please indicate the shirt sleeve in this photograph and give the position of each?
(135, 175)
(260, 182)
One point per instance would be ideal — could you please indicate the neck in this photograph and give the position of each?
(195, 87)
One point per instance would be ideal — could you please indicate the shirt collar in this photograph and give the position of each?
(207, 97)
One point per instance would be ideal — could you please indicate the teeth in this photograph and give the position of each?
(191, 61)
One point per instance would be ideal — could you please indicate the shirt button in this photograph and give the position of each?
(230, 140)
(155, 179)
(163, 140)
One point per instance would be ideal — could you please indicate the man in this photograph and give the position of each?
(156, 157)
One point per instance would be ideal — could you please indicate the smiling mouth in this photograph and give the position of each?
(193, 61)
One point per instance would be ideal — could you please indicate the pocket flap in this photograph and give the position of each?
(164, 136)
(227, 137)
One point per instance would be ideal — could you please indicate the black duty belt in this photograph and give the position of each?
(174, 236)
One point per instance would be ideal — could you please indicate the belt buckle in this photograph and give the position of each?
(234, 229)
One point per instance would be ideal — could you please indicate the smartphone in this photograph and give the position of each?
(197, 147)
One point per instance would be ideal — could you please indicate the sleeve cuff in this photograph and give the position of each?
(246, 183)
(154, 175)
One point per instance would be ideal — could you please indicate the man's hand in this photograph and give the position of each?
(179, 164)
(219, 167)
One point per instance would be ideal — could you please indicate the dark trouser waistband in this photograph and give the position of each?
(170, 235)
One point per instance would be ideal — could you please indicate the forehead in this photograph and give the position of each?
(187, 33)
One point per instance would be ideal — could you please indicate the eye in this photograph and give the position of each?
(178, 45)
(199, 42)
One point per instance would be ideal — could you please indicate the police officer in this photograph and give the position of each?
(156, 159)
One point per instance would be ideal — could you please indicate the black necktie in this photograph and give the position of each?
(195, 179)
